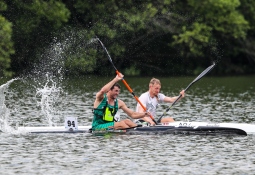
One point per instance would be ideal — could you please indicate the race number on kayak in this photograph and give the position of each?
(71, 123)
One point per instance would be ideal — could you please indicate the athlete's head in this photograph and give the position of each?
(114, 91)
(115, 85)
(154, 86)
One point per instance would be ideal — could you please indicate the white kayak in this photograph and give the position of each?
(248, 128)
(55, 129)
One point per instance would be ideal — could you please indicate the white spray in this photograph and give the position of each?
(4, 111)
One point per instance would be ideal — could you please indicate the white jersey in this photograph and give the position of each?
(117, 116)
(150, 103)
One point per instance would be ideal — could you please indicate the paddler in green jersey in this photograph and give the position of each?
(106, 105)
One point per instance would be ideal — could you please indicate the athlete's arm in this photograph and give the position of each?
(172, 99)
(131, 113)
(146, 118)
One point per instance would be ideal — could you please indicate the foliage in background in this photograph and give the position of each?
(143, 37)
(6, 43)
(33, 25)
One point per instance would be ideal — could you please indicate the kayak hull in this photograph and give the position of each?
(201, 128)
(161, 130)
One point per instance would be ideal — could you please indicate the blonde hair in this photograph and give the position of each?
(154, 81)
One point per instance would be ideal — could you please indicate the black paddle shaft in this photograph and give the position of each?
(195, 80)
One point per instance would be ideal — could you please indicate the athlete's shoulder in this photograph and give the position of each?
(161, 94)
(161, 97)
(144, 94)
(120, 103)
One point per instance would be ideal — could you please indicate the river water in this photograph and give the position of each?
(36, 102)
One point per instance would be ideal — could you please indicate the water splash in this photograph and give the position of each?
(50, 69)
(49, 97)
(49, 73)
(92, 41)
(4, 111)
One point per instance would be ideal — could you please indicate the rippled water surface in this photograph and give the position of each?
(36, 103)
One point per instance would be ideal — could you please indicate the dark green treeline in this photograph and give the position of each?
(152, 37)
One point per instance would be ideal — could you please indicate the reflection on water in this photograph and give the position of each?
(210, 99)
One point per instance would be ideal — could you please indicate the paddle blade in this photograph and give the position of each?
(204, 72)
(200, 75)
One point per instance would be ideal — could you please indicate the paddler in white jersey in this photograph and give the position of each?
(151, 100)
